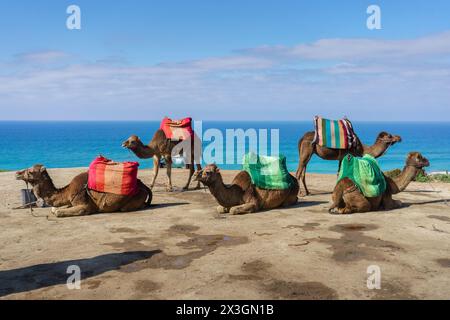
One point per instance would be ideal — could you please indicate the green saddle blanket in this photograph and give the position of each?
(268, 172)
(365, 173)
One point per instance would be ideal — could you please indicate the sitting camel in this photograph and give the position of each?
(306, 149)
(242, 196)
(161, 146)
(79, 200)
(347, 198)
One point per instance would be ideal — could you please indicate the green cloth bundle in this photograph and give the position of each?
(268, 173)
(365, 173)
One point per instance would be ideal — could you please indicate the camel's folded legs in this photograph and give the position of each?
(355, 201)
(389, 204)
(221, 209)
(244, 208)
(81, 210)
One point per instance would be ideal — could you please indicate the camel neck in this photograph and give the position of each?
(45, 189)
(144, 152)
(404, 179)
(377, 149)
(222, 193)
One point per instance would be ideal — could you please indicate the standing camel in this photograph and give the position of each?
(306, 149)
(78, 200)
(347, 198)
(241, 196)
(161, 146)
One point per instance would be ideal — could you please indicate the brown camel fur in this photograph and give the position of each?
(160, 147)
(347, 198)
(242, 196)
(306, 149)
(78, 200)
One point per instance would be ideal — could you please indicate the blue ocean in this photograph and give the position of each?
(76, 144)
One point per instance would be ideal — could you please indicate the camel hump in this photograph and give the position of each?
(243, 180)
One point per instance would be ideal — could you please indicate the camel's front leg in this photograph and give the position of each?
(191, 173)
(244, 208)
(81, 210)
(155, 170)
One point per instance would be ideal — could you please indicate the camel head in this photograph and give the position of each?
(416, 159)
(388, 138)
(32, 175)
(132, 143)
(209, 175)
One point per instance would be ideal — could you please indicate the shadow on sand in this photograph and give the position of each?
(167, 204)
(306, 204)
(408, 204)
(50, 274)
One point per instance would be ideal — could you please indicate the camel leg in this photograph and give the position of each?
(389, 203)
(199, 168)
(221, 209)
(305, 153)
(169, 187)
(348, 199)
(303, 174)
(355, 202)
(191, 173)
(244, 208)
(81, 210)
(155, 170)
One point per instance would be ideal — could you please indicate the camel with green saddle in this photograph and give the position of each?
(263, 185)
(351, 196)
(307, 148)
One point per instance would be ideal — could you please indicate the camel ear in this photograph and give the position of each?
(43, 168)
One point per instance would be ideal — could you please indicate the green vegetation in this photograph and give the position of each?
(1, 170)
(422, 176)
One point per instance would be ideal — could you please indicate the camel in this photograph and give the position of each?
(306, 149)
(161, 146)
(347, 198)
(242, 196)
(77, 198)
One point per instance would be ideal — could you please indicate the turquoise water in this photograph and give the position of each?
(75, 144)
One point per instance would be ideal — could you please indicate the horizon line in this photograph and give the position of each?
(216, 120)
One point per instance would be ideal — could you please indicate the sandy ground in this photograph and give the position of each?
(182, 249)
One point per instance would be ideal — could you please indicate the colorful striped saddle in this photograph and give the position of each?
(334, 134)
(113, 177)
(177, 130)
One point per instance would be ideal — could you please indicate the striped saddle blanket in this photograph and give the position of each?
(334, 134)
(113, 177)
(177, 130)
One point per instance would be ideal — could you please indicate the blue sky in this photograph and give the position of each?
(234, 60)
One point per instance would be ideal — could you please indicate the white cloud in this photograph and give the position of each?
(362, 78)
(41, 57)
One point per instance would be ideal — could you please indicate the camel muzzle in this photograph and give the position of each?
(20, 175)
(197, 175)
